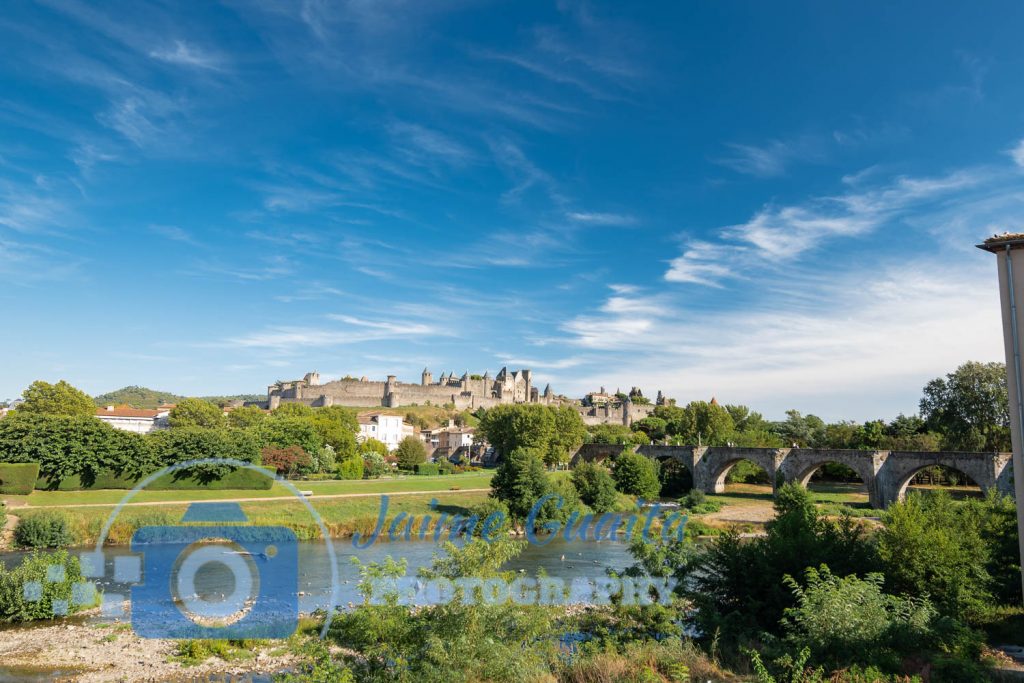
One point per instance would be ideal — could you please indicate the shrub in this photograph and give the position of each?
(446, 467)
(285, 461)
(427, 469)
(637, 475)
(18, 479)
(14, 608)
(595, 486)
(697, 503)
(351, 468)
(374, 464)
(43, 530)
(932, 546)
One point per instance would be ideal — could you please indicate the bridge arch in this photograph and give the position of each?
(718, 462)
(900, 468)
(908, 478)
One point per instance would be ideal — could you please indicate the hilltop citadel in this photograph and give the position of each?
(468, 392)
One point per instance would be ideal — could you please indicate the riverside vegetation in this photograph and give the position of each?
(819, 597)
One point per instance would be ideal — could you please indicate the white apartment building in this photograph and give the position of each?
(388, 429)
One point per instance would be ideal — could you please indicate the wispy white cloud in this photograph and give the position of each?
(856, 351)
(356, 330)
(771, 159)
(783, 233)
(1017, 154)
(187, 55)
(596, 218)
(524, 172)
(173, 233)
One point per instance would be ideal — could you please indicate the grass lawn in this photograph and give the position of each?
(469, 480)
(342, 516)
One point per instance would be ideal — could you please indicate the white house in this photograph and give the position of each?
(388, 429)
(134, 419)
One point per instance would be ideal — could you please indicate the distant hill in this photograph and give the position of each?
(142, 397)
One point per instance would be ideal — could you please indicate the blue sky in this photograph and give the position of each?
(772, 203)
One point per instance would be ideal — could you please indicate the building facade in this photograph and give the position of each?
(134, 419)
(388, 429)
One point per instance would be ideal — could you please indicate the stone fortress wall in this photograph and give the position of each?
(464, 392)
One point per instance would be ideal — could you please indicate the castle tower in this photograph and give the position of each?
(391, 399)
(627, 412)
(426, 378)
(528, 378)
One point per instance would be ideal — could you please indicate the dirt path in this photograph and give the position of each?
(329, 496)
(7, 533)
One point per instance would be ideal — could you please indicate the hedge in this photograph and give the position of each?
(427, 469)
(243, 479)
(18, 479)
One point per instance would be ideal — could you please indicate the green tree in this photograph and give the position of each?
(508, 427)
(568, 435)
(970, 408)
(705, 423)
(410, 452)
(66, 446)
(521, 480)
(246, 417)
(43, 398)
(292, 409)
(337, 428)
(284, 431)
(636, 475)
(195, 412)
(614, 434)
(806, 431)
(653, 427)
(372, 445)
(595, 486)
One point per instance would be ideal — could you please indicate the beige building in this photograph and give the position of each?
(134, 420)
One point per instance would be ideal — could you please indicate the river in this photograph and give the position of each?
(559, 559)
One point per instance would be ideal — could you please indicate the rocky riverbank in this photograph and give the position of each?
(102, 653)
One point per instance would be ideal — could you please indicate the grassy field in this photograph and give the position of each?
(469, 480)
(342, 516)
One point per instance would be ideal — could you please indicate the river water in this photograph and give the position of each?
(588, 559)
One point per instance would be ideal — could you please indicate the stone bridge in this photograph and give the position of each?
(885, 473)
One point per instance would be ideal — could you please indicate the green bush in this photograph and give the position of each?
(374, 464)
(180, 480)
(18, 479)
(239, 478)
(446, 467)
(46, 529)
(73, 482)
(351, 468)
(427, 469)
(14, 608)
(697, 503)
